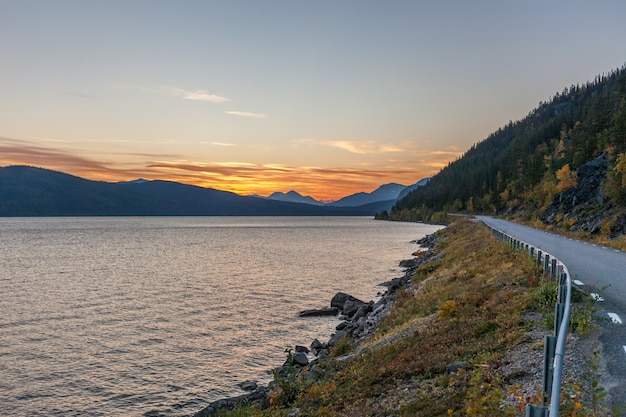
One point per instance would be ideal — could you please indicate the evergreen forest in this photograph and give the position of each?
(538, 168)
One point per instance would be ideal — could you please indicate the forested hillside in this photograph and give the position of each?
(526, 167)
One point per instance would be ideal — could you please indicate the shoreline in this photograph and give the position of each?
(358, 321)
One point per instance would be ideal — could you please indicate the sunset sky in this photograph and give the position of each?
(323, 97)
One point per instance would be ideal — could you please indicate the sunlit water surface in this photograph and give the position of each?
(159, 316)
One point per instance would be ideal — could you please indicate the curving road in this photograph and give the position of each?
(598, 270)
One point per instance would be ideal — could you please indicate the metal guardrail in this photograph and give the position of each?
(554, 348)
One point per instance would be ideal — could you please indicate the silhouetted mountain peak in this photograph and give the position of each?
(385, 192)
(294, 197)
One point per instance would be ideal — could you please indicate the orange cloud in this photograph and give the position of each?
(24, 152)
(321, 183)
(240, 177)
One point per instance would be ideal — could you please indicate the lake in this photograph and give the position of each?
(158, 316)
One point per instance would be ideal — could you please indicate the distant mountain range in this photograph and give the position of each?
(29, 191)
(385, 193)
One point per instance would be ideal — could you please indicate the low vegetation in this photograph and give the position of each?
(447, 345)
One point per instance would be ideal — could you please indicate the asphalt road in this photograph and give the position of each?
(597, 270)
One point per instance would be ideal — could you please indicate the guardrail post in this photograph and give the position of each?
(549, 348)
(532, 251)
(546, 263)
(536, 411)
(553, 274)
(559, 310)
(538, 258)
(562, 293)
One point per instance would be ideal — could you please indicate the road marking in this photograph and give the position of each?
(624, 349)
(615, 318)
(615, 250)
(593, 244)
(596, 297)
(578, 282)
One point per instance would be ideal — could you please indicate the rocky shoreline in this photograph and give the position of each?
(359, 320)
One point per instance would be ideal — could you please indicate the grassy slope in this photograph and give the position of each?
(474, 306)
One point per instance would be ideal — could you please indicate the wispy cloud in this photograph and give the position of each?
(199, 95)
(26, 152)
(389, 147)
(45, 139)
(357, 146)
(196, 95)
(353, 146)
(43, 153)
(247, 114)
(223, 144)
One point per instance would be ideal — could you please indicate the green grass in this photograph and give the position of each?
(469, 306)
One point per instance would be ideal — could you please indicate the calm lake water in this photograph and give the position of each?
(158, 316)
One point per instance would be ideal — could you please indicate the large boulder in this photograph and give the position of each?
(352, 306)
(340, 299)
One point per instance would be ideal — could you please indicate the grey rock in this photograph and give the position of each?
(428, 241)
(410, 263)
(394, 284)
(339, 300)
(344, 358)
(580, 202)
(351, 306)
(316, 345)
(361, 312)
(299, 358)
(455, 366)
(326, 311)
(315, 373)
(337, 337)
(260, 395)
(303, 349)
(248, 385)
(341, 325)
